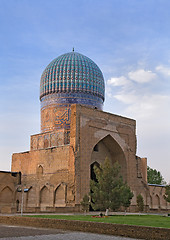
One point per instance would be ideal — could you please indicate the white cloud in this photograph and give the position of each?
(126, 98)
(151, 112)
(108, 91)
(118, 81)
(146, 107)
(153, 132)
(142, 76)
(164, 70)
(151, 108)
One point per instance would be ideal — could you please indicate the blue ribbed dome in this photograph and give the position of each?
(72, 73)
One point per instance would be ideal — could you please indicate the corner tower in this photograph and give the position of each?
(71, 78)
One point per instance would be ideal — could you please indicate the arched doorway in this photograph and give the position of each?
(44, 198)
(157, 200)
(6, 196)
(59, 196)
(31, 197)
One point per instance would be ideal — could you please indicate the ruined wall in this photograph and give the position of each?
(156, 199)
(50, 139)
(47, 172)
(51, 160)
(8, 183)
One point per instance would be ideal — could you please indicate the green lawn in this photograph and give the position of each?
(142, 220)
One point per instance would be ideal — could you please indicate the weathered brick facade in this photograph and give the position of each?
(56, 172)
(9, 182)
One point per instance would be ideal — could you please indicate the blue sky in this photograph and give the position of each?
(128, 39)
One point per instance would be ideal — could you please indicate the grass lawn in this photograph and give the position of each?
(140, 220)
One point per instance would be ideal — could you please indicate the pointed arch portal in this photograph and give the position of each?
(108, 147)
(6, 195)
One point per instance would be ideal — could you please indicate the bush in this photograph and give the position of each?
(85, 203)
(140, 203)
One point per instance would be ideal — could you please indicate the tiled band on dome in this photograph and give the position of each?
(72, 98)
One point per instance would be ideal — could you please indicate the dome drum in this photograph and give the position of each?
(72, 98)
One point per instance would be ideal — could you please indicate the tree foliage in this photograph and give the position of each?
(127, 195)
(167, 193)
(154, 176)
(140, 203)
(109, 191)
(85, 203)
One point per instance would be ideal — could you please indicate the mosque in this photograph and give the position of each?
(76, 134)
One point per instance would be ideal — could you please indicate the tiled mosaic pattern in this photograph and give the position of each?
(72, 98)
(62, 118)
(71, 73)
(55, 117)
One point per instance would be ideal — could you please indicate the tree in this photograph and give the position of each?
(127, 195)
(109, 191)
(140, 203)
(85, 203)
(154, 176)
(167, 193)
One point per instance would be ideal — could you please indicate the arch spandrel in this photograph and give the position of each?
(116, 136)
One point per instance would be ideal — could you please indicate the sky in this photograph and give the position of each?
(128, 39)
